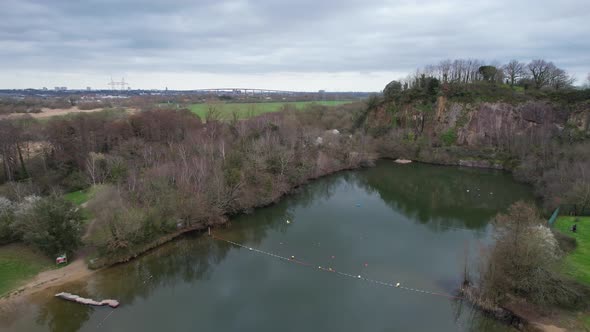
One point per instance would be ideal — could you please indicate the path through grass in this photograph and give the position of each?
(82, 196)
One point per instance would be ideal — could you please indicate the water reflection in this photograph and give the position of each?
(443, 197)
(396, 218)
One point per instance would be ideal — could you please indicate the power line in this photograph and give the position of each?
(118, 85)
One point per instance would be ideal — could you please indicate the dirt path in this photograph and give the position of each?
(49, 112)
(548, 328)
(77, 269)
(546, 320)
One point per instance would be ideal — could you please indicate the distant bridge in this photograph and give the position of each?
(250, 91)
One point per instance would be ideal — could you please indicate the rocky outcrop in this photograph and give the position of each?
(477, 124)
(580, 120)
(480, 163)
(492, 123)
(484, 123)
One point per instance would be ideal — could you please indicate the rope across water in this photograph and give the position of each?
(292, 259)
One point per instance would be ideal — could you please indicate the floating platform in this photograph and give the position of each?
(81, 300)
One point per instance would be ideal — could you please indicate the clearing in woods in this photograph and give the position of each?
(247, 110)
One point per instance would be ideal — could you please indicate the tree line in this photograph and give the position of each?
(536, 74)
(165, 171)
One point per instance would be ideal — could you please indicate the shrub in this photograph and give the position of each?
(522, 261)
(449, 137)
(6, 220)
(51, 224)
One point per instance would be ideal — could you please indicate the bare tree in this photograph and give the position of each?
(541, 71)
(514, 70)
(560, 79)
(95, 167)
(444, 69)
(523, 258)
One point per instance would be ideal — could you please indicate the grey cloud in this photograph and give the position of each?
(248, 36)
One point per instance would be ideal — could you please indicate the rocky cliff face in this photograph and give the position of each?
(490, 123)
(477, 124)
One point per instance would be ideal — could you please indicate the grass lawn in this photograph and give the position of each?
(247, 110)
(78, 197)
(19, 263)
(82, 196)
(577, 263)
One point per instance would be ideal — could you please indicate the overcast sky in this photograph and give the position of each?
(304, 45)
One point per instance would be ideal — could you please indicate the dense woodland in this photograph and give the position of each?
(162, 172)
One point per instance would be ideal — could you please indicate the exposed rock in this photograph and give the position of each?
(480, 164)
(485, 123)
(580, 120)
(491, 122)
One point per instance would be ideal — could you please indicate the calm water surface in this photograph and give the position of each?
(410, 224)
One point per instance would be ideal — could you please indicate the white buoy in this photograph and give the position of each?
(292, 257)
(397, 285)
(288, 222)
(467, 190)
(359, 276)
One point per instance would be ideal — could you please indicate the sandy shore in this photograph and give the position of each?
(74, 271)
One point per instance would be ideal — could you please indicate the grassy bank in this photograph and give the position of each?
(577, 263)
(247, 110)
(19, 263)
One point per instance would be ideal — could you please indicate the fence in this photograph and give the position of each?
(553, 217)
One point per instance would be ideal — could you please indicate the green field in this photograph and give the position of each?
(577, 263)
(19, 263)
(247, 110)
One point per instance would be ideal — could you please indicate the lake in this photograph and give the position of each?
(416, 225)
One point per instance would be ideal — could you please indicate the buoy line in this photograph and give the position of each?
(293, 259)
(104, 319)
